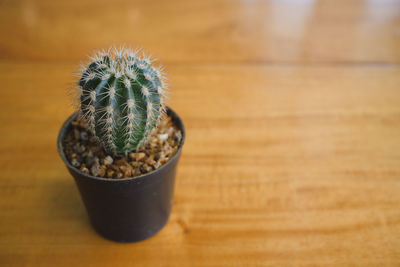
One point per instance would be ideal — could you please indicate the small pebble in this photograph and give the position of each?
(163, 137)
(76, 134)
(84, 170)
(115, 167)
(84, 136)
(150, 161)
(178, 136)
(121, 162)
(140, 156)
(95, 169)
(102, 171)
(75, 162)
(95, 149)
(110, 173)
(128, 172)
(134, 164)
(168, 150)
(91, 160)
(108, 160)
(78, 148)
(132, 156)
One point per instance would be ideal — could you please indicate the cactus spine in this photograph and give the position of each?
(121, 98)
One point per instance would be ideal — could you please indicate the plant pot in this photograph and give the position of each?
(129, 209)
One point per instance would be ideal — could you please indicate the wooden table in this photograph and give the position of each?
(292, 111)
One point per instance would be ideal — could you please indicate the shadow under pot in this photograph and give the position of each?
(129, 209)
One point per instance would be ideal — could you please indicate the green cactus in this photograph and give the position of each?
(121, 98)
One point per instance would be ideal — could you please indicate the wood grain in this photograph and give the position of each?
(291, 159)
(205, 31)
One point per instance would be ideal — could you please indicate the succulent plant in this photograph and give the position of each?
(121, 97)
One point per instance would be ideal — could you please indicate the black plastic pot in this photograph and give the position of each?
(130, 209)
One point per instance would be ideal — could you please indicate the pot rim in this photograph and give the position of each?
(67, 123)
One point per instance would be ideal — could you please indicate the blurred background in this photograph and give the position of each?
(292, 110)
(248, 31)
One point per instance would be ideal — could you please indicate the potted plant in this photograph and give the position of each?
(122, 145)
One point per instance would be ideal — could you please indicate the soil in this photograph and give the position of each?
(86, 154)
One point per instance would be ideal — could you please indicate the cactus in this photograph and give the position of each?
(121, 97)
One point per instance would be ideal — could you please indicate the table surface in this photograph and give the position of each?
(292, 110)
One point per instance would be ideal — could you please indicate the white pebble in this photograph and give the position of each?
(163, 137)
(108, 160)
